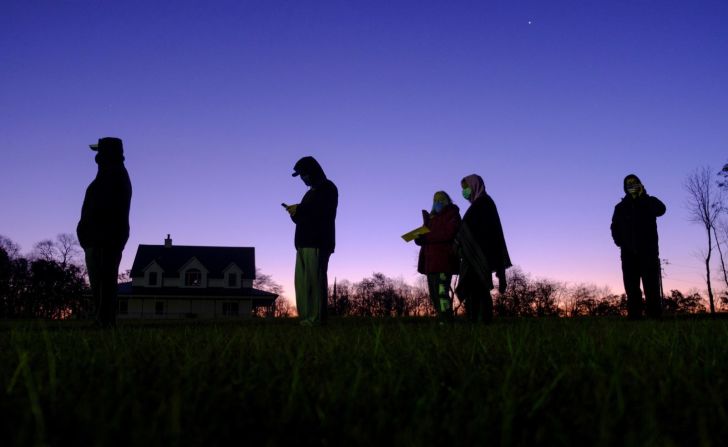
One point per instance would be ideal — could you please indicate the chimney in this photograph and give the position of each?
(167, 242)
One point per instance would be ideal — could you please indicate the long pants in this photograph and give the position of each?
(478, 302)
(439, 288)
(644, 267)
(102, 264)
(312, 284)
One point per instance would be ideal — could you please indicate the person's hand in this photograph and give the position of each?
(425, 217)
(292, 209)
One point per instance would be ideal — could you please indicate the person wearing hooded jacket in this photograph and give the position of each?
(315, 240)
(483, 251)
(438, 259)
(634, 230)
(103, 229)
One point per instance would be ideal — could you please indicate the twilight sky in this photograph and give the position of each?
(552, 102)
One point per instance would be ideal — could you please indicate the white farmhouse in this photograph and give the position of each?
(185, 281)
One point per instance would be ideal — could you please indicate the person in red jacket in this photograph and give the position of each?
(438, 259)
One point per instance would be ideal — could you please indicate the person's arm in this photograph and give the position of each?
(658, 208)
(316, 204)
(305, 209)
(615, 228)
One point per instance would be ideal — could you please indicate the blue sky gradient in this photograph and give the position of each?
(553, 103)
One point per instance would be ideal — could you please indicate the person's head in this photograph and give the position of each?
(110, 151)
(473, 187)
(633, 186)
(440, 201)
(310, 171)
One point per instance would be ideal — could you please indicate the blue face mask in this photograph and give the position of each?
(437, 207)
(467, 192)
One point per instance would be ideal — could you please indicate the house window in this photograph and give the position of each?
(193, 278)
(159, 308)
(230, 308)
(232, 279)
(123, 307)
(152, 278)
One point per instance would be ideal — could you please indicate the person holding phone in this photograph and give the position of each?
(315, 240)
(634, 230)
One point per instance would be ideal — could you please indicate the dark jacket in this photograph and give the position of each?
(316, 214)
(105, 212)
(484, 223)
(438, 254)
(634, 224)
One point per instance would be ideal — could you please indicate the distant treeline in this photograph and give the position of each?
(50, 282)
(381, 296)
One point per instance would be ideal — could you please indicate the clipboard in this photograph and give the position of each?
(414, 234)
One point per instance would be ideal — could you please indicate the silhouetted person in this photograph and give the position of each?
(315, 240)
(438, 259)
(634, 230)
(104, 226)
(483, 250)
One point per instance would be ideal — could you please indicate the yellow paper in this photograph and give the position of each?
(414, 234)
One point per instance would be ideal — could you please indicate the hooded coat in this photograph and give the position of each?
(438, 254)
(105, 211)
(316, 214)
(484, 224)
(634, 222)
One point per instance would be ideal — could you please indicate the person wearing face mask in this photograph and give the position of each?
(104, 226)
(634, 230)
(438, 260)
(315, 239)
(483, 251)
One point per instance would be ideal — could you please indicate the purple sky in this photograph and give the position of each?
(553, 103)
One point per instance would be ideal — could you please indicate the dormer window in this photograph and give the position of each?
(193, 278)
(152, 278)
(232, 279)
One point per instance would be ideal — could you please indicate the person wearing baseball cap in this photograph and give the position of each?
(315, 239)
(104, 226)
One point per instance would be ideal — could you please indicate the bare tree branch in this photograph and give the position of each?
(10, 247)
(705, 205)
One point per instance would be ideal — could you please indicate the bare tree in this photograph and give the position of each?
(705, 206)
(723, 174)
(719, 245)
(11, 248)
(64, 250)
(722, 226)
(44, 250)
(281, 307)
(266, 282)
(68, 248)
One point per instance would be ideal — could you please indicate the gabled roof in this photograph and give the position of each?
(215, 259)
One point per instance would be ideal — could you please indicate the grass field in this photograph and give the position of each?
(394, 382)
